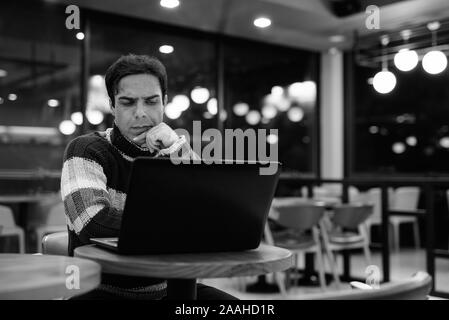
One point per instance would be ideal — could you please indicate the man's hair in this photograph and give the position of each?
(134, 64)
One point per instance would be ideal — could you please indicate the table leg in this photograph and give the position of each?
(181, 289)
(262, 286)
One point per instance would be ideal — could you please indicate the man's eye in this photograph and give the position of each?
(152, 101)
(127, 103)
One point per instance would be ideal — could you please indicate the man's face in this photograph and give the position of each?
(139, 104)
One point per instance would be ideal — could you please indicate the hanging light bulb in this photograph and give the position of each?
(406, 59)
(434, 61)
(384, 81)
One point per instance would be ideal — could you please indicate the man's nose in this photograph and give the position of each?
(140, 110)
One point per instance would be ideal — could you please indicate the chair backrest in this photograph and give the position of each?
(405, 198)
(57, 215)
(417, 287)
(297, 214)
(56, 243)
(351, 215)
(6, 217)
(374, 196)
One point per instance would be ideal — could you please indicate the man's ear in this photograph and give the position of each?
(165, 100)
(111, 105)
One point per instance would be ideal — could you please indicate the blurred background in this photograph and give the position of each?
(351, 95)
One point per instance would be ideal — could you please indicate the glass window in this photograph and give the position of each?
(271, 87)
(39, 84)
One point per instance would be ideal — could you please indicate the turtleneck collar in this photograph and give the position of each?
(128, 147)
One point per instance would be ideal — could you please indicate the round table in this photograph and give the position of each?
(182, 270)
(42, 277)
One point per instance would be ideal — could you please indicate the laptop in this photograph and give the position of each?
(192, 208)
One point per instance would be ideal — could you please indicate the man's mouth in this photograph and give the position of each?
(141, 129)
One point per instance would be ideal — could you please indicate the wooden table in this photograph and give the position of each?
(182, 270)
(41, 277)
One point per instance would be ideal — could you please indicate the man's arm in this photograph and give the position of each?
(88, 203)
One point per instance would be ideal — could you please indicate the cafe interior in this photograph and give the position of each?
(354, 95)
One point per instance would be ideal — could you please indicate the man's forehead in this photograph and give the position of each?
(139, 85)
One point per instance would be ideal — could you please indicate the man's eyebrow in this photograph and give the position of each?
(132, 98)
(152, 97)
(127, 98)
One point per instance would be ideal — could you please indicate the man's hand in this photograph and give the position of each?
(157, 138)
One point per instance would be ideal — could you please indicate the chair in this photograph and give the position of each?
(417, 287)
(298, 217)
(339, 233)
(56, 222)
(10, 228)
(374, 196)
(56, 243)
(405, 199)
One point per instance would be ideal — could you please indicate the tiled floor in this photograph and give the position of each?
(403, 265)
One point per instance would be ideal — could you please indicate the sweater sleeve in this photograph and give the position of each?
(87, 201)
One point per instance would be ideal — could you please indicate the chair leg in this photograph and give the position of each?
(396, 237)
(330, 256)
(280, 283)
(39, 237)
(21, 238)
(416, 235)
(320, 261)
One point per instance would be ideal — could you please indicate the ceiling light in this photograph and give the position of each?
(295, 114)
(374, 129)
(95, 117)
(3, 73)
(253, 117)
(212, 106)
(406, 60)
(181, 101)
(411, 141)
(53, 103)
(269, 111)
(444, 142)
(169, 4)
(67, 127)
(434, 62)
(12, 97)
(172, 111)
(398, 147)
(77, 118)
(167, 49)
(80, 36)
(240, 109)
(272, 139)
(262, 22)
(200, 95)
(384, 81)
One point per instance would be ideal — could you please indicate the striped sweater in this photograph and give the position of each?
(93, 187)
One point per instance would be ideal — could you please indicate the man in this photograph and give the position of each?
(97, 166)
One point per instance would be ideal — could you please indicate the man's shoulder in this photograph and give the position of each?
(88, 144)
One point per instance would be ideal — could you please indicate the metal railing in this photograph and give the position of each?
(427, 185)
